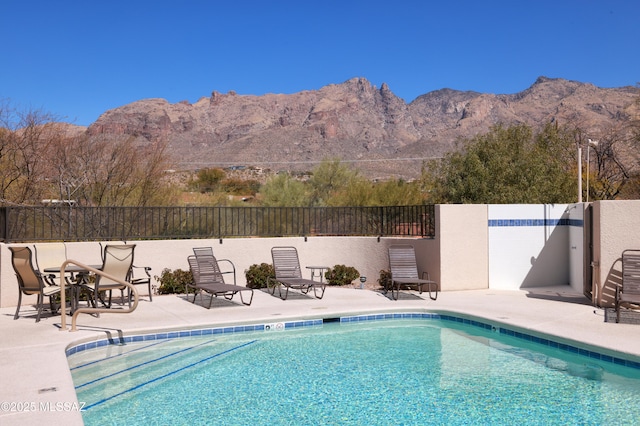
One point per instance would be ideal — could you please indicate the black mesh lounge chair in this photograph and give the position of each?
(288, 274)
(207, 277)
(31, 281)
(629, 292)
(404, 272)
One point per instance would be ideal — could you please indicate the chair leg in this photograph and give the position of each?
(40, 303)
(322, 288)
(397, 293)
(286, 294)
(16, 316)
(272, 289)
(435, 291)
(250, 299)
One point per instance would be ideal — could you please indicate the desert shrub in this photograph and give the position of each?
(258, 275)
(341, 275)
(241, 186)
(173, 282)
(208, 180)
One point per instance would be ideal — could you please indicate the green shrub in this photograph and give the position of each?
(173, 282)
(258, 275)
(341, 275)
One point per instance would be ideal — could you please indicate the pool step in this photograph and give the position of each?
(142, 366)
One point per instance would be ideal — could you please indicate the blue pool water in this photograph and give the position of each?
(375, 372)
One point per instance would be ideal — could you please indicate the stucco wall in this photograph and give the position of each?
(461, 232)
(460, 257)
(367, 254)
(528, 245)
(616, 227)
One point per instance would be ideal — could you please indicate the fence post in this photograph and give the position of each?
(4, 224)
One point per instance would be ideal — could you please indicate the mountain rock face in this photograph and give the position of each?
(355, 122)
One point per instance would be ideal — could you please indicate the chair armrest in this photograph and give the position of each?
(48, 278)
(145, 268)
(231, 271)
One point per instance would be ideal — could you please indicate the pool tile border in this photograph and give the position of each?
(287, 325)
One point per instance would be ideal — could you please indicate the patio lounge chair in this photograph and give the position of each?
(404, 271)
(629, 292)
(207, 277)
(287, 268)
(203, 251)
(31, 281)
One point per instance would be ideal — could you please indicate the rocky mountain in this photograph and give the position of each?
(355, 122)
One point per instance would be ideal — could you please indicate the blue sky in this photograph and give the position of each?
(78, 59)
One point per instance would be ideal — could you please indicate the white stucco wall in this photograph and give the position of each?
(576, 246)
(528, 247)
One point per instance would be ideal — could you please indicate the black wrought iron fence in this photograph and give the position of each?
(73, 223)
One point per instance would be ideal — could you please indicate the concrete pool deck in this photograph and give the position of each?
(37, 386)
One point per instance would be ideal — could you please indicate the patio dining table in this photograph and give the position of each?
(79, 275)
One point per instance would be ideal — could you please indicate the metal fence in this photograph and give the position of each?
(73, 223)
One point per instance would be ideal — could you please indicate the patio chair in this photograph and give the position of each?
(288, 274)
(51, 255)
(31, 281)
(117, 261)
(404, 272)
(140, 275)
(629, 292)
(207, 277)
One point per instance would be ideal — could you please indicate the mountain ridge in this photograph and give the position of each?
(354, 121)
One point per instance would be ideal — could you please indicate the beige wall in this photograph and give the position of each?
(457, 258)
(367, 254)
(616, 227)
(462, 234)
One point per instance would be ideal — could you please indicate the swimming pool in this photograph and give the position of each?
(420, 369)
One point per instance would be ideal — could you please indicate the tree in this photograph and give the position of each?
(25, 138)
(362, 192)
(609, 176)
(329, 178)
(397, 192)
(614, 170)
(506, 165)
(103, 171)
(282, 190)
